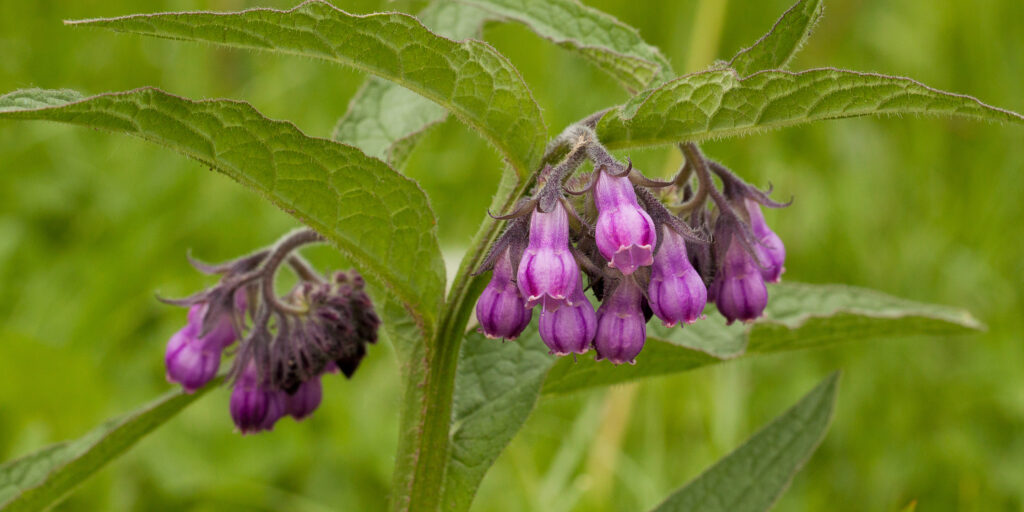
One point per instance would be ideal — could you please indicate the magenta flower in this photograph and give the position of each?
(501, 311)
(625, 232)
(770, 250)
(738, 288)
(305, 400)
(191, 360)
(253, 408)
(676, 292)
(621, 326)
(569, 329)
(548, 273)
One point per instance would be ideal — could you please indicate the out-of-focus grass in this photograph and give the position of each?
(91, 225)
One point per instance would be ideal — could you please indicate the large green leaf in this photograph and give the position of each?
(496, 387)
(718, 103)
(751, 478)
(379, 218)
(780, 44)
(798, 316)
(469, 78)
(39, 480)
(610, 44)
(385, 119)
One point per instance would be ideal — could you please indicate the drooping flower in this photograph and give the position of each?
(771, 252)
(253, 407)
(501, 311)
(305, 400)
(193, 359)
(621, 326)
(569, 329)
(625, 232)
(738, 288)
(676, 292)
(548, 273)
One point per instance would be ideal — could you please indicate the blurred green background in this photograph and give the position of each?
(92, 224)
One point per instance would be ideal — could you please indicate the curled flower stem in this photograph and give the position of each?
(281, 251)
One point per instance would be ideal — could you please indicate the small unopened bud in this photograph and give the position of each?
(569, 329)
(254, 409)
(625, 232)
(501, 311)
(548, 273)
(770, 250)
(621, 326)
(676, 292)
(305, 400)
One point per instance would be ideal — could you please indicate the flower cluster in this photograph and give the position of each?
(647, 248)
(287, 343)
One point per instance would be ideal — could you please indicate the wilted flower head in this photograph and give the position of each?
(548, 273)
(625, 232)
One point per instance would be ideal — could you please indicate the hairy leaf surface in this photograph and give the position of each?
(798, 316)
(469, 78)
(379, 218)
(608, 43)
(718, 103)
(41, 479)
(780, 44)
(751, 478)
(385, 119)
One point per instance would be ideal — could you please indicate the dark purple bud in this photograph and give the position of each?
(253, 408)
(548, 273)
(676, 292)
(569, 329)
(305, 400)
(738, 288)
(191, 361)
(621, 327)
(770, 250)
(501, 311)
(277, 408)
(625, 232)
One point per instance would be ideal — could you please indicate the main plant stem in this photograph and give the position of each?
(431, 444)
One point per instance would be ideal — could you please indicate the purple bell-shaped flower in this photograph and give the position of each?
(548, 273)
(501, 311)
(625, 232)
(621, 326)
(770, 250)
(253, 408)
(738, 289)
(676, 292)
(305, 400)
(569, 329)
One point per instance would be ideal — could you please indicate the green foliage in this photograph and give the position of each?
(38, 481)
(605, 41)
(778, 47)
(469, 78)
(333, 188)
(752, 478)
(718, 103)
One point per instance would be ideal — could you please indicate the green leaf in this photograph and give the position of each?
(496, 387)
(379, 218)
(780, 44)
(751, 478)
(717, 103)
(798, 316)
(40, 480)
(608, 43)
(469, 78)
(386, 120)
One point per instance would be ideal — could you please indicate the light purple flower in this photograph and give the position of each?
(770, 250)
(625, 232)
(738, 288)
(501, 311)
(676, 292)
(548, 273)
(569, 329)
(621, 326)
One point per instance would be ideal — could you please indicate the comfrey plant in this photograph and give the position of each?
(581, 252)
